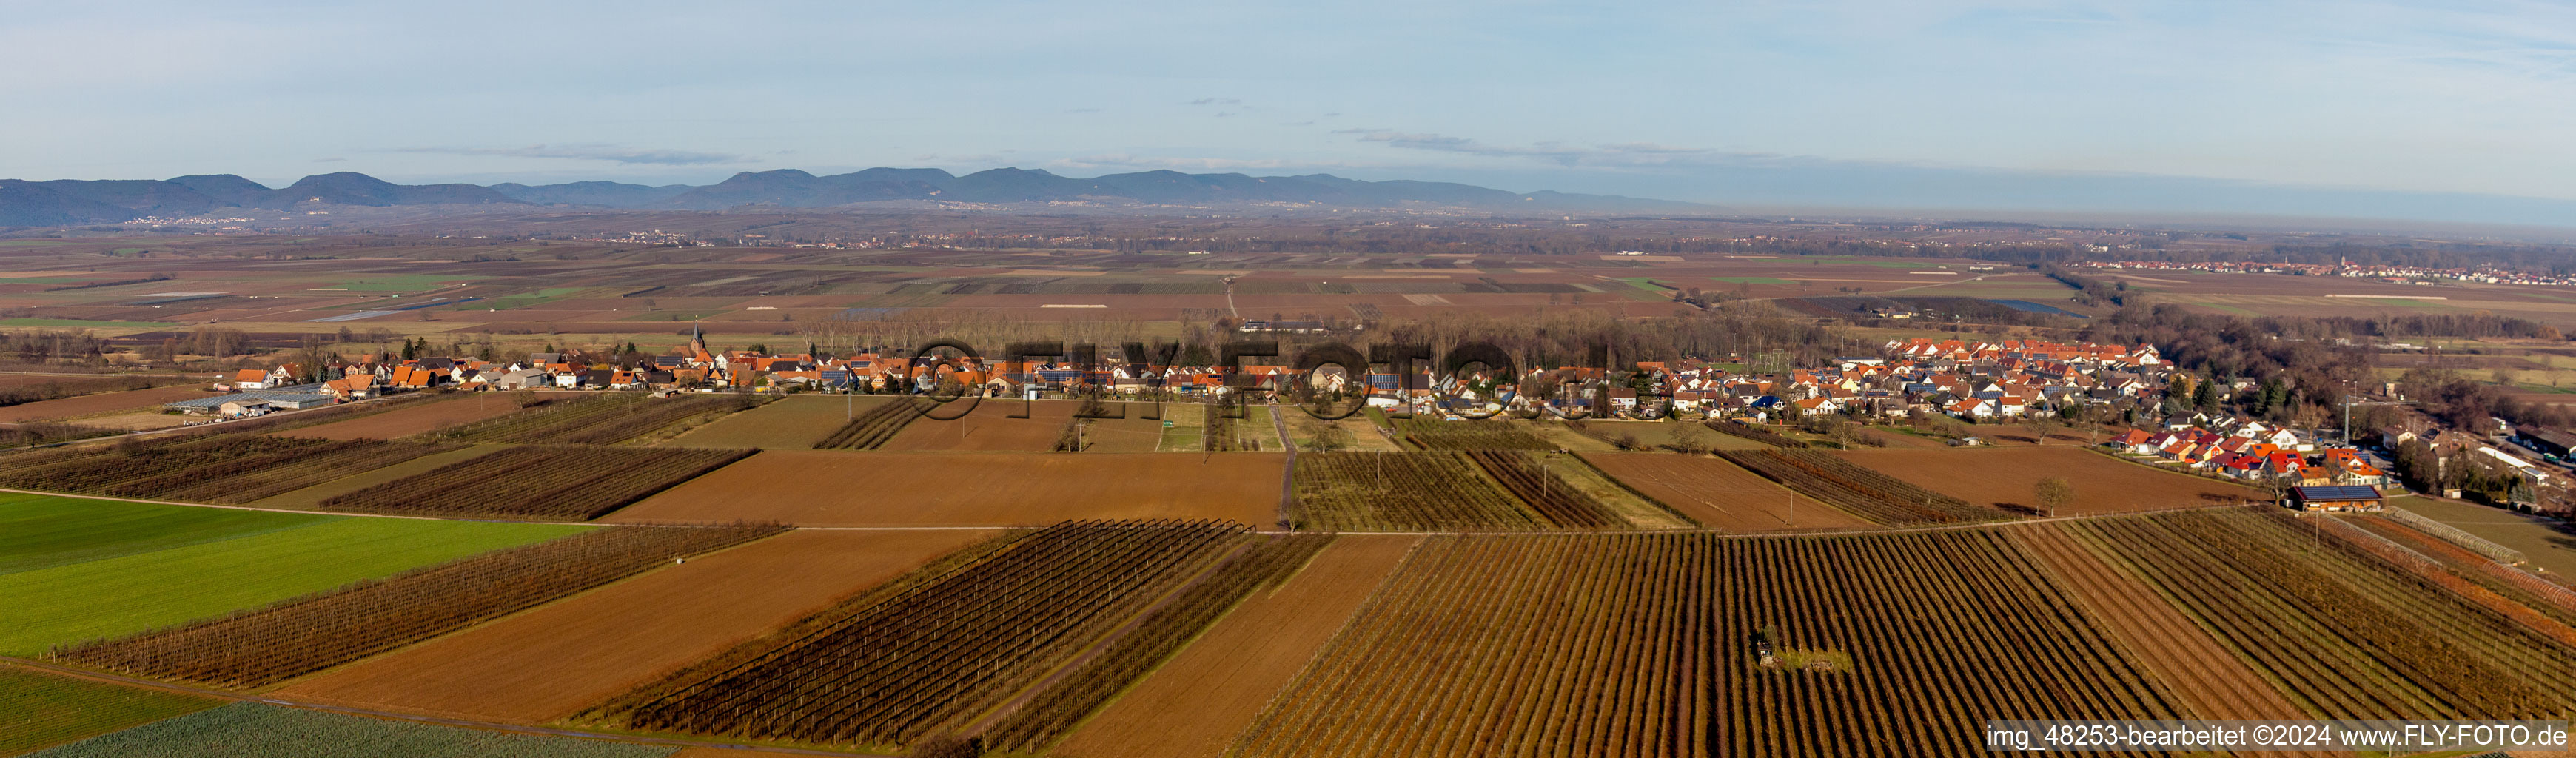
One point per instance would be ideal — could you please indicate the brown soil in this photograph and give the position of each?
(840, 488)
(792, 423)
(1197, 702)
(412, 419)
(2191, 663)
(1720, 495)
(2000, 476)
(549, 663)
(990, 427)
(85, 405)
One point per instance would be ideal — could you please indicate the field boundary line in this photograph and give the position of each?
(489, 726)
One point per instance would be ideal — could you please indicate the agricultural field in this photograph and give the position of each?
(2192, 664)
(214, 468)
(1194, 705)
(601, 419)
(1721, 495)
(415, 418)
(41, 709)
(124, 594)
(934, 658)
(1694, 645)
(545, 482)
(1859, 491)
(990, 428)
(1421, 491)
(1676, 436)
(2351, 634)
(793, 422)
(2004, 477)
(258, 729)
(1064, 700)
(835, 488)
(872, 429)
(550, 662)
(98, 404)
(43, 531)
(310, 498)
(21, 389)
(304, 635)
(1494, 434)
(2546, 542)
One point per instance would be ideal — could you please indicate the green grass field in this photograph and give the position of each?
(130, 593)
(43, 531)
(258, 729)
(39, 709)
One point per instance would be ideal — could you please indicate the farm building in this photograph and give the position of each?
(238, 403)
(2341, 497)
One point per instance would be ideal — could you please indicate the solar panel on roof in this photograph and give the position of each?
(2339, 492)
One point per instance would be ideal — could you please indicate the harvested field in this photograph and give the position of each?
(1198, 702)
(107, 402)
(40, 709)
(793, 422)
(930, 659)
(226, 468)
(832, 488)
(550, 662)
(1859, 491)
(1721, 495)
(301, 636)
(2002, 477)
(2177, 652)
(547, 482)
(415, 418)
(600, 419)
(259, 729)
(989, 427)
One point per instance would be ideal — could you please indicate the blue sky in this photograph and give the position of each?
(1882, 104)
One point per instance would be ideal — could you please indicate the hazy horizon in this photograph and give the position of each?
(2394, 110)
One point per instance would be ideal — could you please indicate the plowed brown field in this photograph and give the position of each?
(792, 423)
(1197, 702)
(840, 488)
(990, 427)
(2006, 475)
(414, 419)
(551, 662)
(100, 403)
(1720, 495)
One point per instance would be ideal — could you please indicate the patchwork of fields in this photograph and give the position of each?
(823, 574)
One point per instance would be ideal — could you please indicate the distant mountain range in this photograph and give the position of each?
(70, 201)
